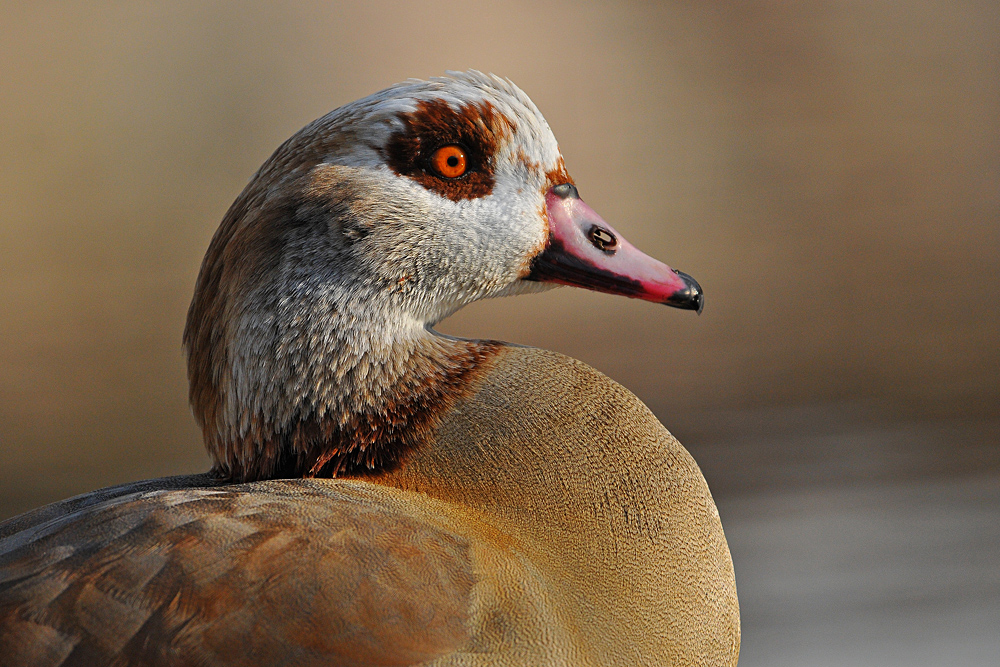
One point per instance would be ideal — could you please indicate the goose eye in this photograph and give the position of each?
(449, 161)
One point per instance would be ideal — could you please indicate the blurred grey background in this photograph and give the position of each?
(829, 171)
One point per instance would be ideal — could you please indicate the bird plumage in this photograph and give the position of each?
(447, 502)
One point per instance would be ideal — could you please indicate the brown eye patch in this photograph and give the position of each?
(475, 128)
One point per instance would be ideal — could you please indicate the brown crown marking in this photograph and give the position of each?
(367, 442)
(558, 176)
(477, 127)
(555, 176)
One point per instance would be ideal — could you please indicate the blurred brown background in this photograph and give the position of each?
(829, 171)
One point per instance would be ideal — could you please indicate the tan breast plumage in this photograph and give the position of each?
(526, 531)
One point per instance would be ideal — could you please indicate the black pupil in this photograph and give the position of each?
(452, 161)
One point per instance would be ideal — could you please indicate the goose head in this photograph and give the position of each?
(308, 339)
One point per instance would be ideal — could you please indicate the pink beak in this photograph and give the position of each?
(585, 251)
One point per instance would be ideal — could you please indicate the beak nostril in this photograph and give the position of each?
(603, 240)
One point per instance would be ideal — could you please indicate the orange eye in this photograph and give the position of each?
(449, 161)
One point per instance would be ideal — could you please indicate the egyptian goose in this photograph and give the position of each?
(382, 494)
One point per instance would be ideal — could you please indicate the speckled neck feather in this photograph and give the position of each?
(360, 440)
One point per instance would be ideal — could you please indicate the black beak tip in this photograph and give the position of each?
(690, 297)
